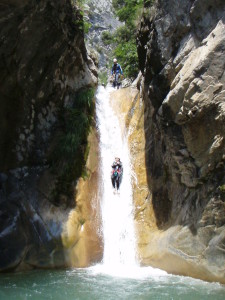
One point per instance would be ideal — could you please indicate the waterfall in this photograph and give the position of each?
(119, 258)
(117, 209)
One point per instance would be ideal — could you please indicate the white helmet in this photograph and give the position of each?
(115, 60)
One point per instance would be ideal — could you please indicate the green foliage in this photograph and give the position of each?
(123, 33)
(127, 56)
(70, 151)
(87, 26)
(222, 191)
(222, 188)
(125, 51)
(127, 10)
(107, 38)
(118, 4)
(80, 3)
(81, 22)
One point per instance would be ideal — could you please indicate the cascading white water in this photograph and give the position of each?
(118, 225)
(119, 254)
(119, 257)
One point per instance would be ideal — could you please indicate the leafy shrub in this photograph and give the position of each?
(127, 56)
(87, 26)
(70, 151)
(222, 188)
(107, 38)
(82, 23)
(128, 11)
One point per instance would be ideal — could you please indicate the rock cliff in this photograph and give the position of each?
(101, 19)
(44, 69)
(181, 53)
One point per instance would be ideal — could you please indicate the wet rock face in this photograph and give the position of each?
(181, 52)
(43, 64)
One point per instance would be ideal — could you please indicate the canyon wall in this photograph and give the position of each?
(100, 19)
(45, 120)
(181, 54)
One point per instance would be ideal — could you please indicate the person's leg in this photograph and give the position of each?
(119, 180)
(118, 183)
(113, 182)
(118, 81)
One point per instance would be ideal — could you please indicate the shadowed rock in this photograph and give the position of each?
(43, 64)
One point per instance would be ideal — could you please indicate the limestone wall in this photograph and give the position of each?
(181, 53)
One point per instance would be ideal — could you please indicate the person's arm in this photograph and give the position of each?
(121, 71)
(112, 70)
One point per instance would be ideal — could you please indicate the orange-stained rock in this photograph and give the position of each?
(176, 249)
(130, 109)
(81, 235)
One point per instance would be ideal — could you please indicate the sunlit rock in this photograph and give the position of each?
(181, 49)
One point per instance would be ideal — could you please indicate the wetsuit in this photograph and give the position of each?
(116, 72)
(116, 69)
(117, 172)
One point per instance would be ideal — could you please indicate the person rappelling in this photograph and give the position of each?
(116, 73)
(117, 173)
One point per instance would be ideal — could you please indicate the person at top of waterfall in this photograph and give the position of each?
(116, 73)
(117, 172)
(116, 68)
